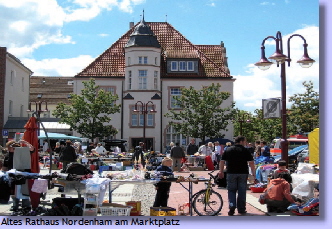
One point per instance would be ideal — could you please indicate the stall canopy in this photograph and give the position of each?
(57, 136)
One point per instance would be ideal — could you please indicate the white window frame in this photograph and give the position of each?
(129, 80)
(190, 66)
(143, 60)
(182, 66)
(172, 135)
(174, 91)
(155, 80)
(174, 66)
(137, 119)
(110, 89)
(142, 79)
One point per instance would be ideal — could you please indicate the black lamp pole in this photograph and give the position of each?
(144, 110)
(281, 59)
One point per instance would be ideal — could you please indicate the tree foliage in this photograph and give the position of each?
(304, 113)
(201, 114)
(244, 120)
(302, 117)
(89, 113)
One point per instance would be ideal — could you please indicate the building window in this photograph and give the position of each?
(172, 136)
(175, 92)
(129, 80)
(21, 110)
(142, 79)
(155, 80)
(190, 66)
(142, 59)
(129, 61)
(110, 89)
(10, 108)
(12, 76)
(182, 66)
(137, 119)
(155, 60)
(22, 83)
(174, 66)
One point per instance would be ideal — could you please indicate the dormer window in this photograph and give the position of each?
(183, 65)
(190, 66)
(174, 66)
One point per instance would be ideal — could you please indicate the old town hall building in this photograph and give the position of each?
(146, 67)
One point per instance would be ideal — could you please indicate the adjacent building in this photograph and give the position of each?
(146, 67)
(14, 92)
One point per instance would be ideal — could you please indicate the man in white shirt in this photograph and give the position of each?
(217, 152)
(100, 149)
(45, 147)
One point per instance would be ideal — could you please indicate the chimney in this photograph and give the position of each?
(131, 24)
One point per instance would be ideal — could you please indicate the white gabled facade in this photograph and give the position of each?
(139, 68)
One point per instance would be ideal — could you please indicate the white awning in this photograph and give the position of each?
(56, 125)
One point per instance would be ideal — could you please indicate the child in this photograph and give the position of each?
(163, 188)
(281, 169)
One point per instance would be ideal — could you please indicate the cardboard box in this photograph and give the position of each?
(126, 163)
(136, 210)
(162, 211)
(198, 168)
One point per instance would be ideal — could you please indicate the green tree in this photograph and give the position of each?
(246, 120)
(266, 129)
(201, 114)
(304, 113)
(89, 113)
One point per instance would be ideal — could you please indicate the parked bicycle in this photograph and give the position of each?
(207, 201)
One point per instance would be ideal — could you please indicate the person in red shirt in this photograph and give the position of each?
(278, 196)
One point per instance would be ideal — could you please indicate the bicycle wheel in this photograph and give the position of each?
(207, 205)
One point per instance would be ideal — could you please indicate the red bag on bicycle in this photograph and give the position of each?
(183, 160)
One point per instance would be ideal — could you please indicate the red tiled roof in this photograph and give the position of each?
(53, 89)
(111, 63)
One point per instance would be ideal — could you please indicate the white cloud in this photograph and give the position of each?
(249, 90)
(58, 67)
(103, 35)
(30, 24)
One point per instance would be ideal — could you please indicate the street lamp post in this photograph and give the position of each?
(280, 59)
(38, 110)
(242, 120)
(143, 108)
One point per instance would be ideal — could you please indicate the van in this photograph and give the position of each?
(293, 142)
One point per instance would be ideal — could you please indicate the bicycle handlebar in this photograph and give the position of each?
(212, 177)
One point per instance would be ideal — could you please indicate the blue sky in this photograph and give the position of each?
(61, 37)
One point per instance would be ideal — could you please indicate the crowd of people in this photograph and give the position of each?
(235, 162)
